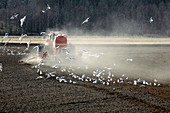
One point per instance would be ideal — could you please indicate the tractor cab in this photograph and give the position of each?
(60, 41)
(57, 39)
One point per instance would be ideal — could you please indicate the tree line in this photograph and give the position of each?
(106, 17)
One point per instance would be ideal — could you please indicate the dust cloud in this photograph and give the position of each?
(144, 62)
(132, 61)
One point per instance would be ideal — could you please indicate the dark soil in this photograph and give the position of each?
(21, 92)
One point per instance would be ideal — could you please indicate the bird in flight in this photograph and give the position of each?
(48, 7)
(14, 16)
(21, 37)
(43, 11)
(85, 21)
(151, 20)
(28, 43)
(6, 35)
(22, 20)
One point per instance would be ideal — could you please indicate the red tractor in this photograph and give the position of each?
(54, 47)
(58, 40)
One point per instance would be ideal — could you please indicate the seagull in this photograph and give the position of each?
(48, 7)
(28, 44)
(20, 38)
(22, 20)
(39, 77)
(6, 35)
(134, 82)
(87, 19)
(70, 81)
(42, 33)
(25, 50)
(108, 68)
(107, 83)
(151, 20)
(43, 11)
(48, 75)
(95, 81)
(40, 72)
(74, 82)
(129, 60)
(158, 84)
(37, 48)
(7, 42)
(1, 67)
(62, 80)
(14, 16)
(155, 80)
(55, 66)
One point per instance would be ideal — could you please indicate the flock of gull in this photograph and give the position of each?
(14, 50)
(62, 74)
(68, 75)
(103, 76)
(22, 20)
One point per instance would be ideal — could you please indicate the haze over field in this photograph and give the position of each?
(85, 56)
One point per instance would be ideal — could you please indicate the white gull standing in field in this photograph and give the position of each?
(134, 82)
(22, 20)
(87, 19)
(129, 59)
(1, 67)
(39, 77)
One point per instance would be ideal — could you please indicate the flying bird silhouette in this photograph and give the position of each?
(151, 20)
(14, 16)
(21, 37)
(43, 11)
(36, 47)
(48, 7)
(28, 43)
(6, 35)
(85, 21)
(22, 20)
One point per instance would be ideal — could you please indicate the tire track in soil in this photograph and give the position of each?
(131, 99)
(102, 89)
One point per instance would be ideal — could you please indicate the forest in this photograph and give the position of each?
(106, 17)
